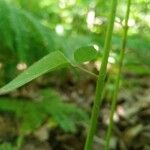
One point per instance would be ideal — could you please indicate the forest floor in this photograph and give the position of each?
(132, 117)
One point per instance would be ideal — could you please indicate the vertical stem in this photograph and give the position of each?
(121, 57)
(19, 142)
(101, 78)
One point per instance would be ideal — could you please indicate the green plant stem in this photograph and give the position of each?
(101, 78)
(20, 141)
(117, 82)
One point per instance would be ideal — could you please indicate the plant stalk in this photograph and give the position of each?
(117, 82)
(101, 78)
(20, 141)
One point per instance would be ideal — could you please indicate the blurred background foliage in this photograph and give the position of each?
(30, 29)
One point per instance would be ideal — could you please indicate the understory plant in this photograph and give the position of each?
(57, 59)
(47, 107)
(33, 113)
(118, 77)
(25, 39)
(101, 78)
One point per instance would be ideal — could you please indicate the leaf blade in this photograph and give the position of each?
(48, 63)
(84, 54)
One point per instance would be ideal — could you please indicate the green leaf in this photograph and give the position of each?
(84, 54)
(6, 146)
(48, 63)
(67, 116)
(49, 104)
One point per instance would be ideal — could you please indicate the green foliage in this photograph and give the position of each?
(6, 146)
(22, 34)
(140, 46)
(137, 54)
(84, 54)
(67, 115)
(50, 62)
(49, 105)
(26, 36)
(68, 45)
(24, 39)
